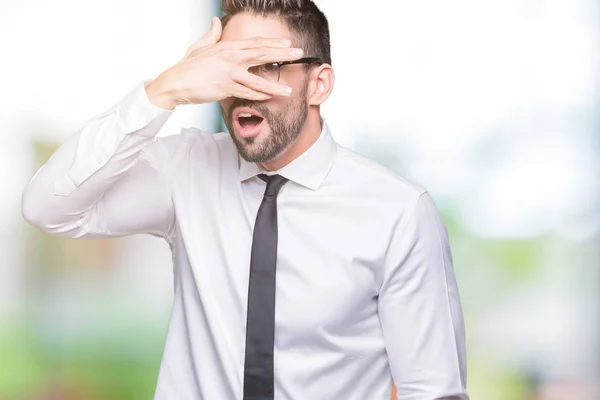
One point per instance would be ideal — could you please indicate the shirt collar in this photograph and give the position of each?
(309, 170)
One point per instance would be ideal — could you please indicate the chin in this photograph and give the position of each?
(260, 136)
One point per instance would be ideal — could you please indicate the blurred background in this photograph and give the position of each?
(492, 105)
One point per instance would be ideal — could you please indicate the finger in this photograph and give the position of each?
(266, 55)
(243, 92)
(262, 85)
(257, 42)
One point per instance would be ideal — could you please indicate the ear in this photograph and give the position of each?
(320, 84)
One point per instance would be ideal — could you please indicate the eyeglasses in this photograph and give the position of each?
(272, 71)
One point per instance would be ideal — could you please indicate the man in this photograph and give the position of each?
(302, 270)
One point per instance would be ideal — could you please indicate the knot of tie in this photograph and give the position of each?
(274, 184)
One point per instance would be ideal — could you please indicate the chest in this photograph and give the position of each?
(331, 249)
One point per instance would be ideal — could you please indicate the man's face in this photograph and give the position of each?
(276, 123)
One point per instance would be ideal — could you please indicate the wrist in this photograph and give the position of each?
(160, 94)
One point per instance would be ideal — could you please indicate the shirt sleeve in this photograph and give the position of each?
(106, 179)
(420, 310)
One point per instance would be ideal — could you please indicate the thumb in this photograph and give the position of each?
(213, 35)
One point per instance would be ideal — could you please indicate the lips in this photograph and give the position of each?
(247, 122)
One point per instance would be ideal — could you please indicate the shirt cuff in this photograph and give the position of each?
(103, 136)
(136, 111)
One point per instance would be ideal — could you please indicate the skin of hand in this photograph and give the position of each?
(213, 70)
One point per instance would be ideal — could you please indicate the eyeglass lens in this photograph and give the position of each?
(270, 72)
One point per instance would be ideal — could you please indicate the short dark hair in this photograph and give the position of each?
(304, 19)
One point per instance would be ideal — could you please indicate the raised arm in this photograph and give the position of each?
(109, 179)
(105, 180)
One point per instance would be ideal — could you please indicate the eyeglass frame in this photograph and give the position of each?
(305, 60)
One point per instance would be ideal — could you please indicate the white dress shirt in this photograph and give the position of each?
(365, 286)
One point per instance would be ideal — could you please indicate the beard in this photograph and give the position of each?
(284, 125)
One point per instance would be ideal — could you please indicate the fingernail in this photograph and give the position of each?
(286, 42)
(286, 91)
(297, 52)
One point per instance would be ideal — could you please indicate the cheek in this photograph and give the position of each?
(278, 105)
(225, 105)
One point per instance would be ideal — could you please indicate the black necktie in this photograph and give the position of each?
(260, 325)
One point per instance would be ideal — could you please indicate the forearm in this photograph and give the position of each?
(65, 189)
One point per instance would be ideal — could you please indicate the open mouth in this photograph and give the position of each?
(248, 122)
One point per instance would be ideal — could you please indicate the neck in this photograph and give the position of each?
(307, 137)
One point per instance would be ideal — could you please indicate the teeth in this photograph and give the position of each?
(245, 115)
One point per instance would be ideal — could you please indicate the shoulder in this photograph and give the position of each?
(192, 147)
(194, 138)
(374, 179)
(202, 146)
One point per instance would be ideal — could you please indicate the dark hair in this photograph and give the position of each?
(303, 18)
